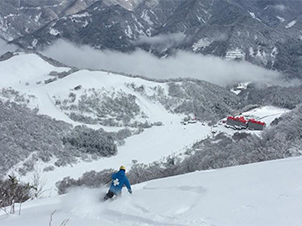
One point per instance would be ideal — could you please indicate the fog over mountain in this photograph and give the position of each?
(264, 33)
(181, 65)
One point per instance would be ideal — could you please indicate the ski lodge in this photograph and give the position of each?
(242, 123)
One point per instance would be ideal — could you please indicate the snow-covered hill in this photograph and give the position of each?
(245, 195)
(59, 91)
(29, 74)
(56, 92)
(268, 193)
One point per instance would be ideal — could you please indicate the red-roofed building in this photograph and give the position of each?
(255, 125)
(242, 123)
(237, 122)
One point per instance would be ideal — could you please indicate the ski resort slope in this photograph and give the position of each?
(25, 69)
(267, 193)
(153, 144)
(26, 73)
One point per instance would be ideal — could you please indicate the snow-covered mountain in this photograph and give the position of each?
(22, 17)
(109, 101)
(91, 92)
(262, 32)
(100, 100)
(85, 121)
(63, 128)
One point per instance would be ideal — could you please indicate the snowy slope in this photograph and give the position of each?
(153, 144)
(268, 193)
(25, 68)
(259, 194)
(24, 73)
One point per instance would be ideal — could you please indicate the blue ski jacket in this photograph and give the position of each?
(119, 179)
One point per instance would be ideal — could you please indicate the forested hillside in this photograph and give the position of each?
(27, 138)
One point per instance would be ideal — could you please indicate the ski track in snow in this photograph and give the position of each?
(134, 210)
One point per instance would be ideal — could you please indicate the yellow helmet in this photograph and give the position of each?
(123, 168)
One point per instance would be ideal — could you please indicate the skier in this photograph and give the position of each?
(119, 179)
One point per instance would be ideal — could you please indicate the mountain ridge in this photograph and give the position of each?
(222, 28)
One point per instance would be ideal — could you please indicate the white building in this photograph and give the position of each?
(236, 54)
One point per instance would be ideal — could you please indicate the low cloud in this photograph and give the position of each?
(169, 39)
(181, 65)
(161, 42)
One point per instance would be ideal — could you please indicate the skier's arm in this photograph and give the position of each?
(128, 185)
